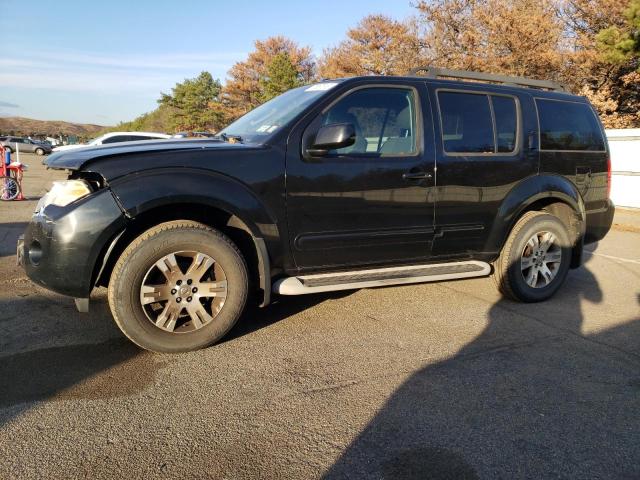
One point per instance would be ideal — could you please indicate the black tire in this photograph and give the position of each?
(136, 260)
(39, 152)
(508, 270)
(9, 188)
(8, 149)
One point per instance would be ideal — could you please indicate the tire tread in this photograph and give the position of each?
(501, 270)
(145, 237)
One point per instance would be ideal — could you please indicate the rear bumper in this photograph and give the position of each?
(61, 245)
(599, 223)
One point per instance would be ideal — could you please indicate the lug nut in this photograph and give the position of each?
(188, 299)
(194, 289)
(173, 291)
(179, 282)
(179, 299)
(189, 282)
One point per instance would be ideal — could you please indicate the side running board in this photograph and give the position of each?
(379, 277)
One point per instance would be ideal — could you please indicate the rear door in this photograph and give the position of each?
(369, 203)
(481, 156)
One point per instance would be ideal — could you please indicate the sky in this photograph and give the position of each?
(104, 62)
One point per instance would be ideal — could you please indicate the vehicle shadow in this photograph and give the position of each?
(530, 397)
(9, 233)
(49, 351)
(255, 318)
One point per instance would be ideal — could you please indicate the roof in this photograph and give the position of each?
(161, 135)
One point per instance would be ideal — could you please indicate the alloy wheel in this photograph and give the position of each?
(183, 291)
(540, 260)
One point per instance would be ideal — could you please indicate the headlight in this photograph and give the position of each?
(63, 193)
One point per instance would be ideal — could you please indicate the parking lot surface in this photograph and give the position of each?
(443, 380)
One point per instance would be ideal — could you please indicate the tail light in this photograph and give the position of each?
(608, 175)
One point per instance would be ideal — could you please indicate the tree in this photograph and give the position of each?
(518, 37)
(158, 120)
(281, 75)
(244, 89)
(549, 39)
(610, 81)
(378, 45)
(619, 44)
(195, 104)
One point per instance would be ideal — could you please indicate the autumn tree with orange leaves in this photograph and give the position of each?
(245, 86)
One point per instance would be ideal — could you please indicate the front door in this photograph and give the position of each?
(369, 203)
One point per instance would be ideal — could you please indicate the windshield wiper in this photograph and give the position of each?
(230, 138)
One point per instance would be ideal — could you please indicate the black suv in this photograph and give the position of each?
(343, 184)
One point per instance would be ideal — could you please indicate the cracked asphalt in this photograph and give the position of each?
(439, 381)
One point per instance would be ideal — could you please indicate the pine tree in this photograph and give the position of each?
(195, 104)
(281, 76)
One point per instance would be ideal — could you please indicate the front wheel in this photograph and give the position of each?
(535, 259)
(180, 286)
(39, 152)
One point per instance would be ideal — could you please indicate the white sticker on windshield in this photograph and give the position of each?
(263, 128)
(272, 129)
(319, 87)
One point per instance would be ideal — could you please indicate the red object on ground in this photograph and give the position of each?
(15, 171)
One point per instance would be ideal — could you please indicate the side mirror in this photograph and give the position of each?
(331, 137)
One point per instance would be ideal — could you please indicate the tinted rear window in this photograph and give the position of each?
(504, 109)
(466, 123)
(568, 126)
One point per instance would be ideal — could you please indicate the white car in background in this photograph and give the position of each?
(115, 137)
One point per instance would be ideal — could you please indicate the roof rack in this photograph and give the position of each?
(433, 72)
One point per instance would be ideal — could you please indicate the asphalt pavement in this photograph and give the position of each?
(445, 380)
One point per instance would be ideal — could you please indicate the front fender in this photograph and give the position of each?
(141, 192)
(527, 194)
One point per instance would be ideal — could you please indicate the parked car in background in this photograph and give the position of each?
(25, 145)
(115, 137)
(42, 142)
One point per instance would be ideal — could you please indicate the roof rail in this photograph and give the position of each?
(433, 72)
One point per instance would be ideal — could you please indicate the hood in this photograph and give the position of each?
(77, 158)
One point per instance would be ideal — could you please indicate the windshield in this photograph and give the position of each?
(263, 121)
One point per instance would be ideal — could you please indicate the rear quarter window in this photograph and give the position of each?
(568, 126)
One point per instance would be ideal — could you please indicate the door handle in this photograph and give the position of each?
(416, 175)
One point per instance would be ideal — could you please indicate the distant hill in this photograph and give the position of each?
(29, 126)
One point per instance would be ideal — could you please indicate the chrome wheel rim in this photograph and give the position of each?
(540, 260)
(183, 291)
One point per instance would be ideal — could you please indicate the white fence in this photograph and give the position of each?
(625, 166)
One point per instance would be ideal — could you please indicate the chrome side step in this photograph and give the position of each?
(379, 277)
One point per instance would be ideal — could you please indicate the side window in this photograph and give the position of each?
(568, 126)
(384, 120)
(115, 139)
(466, 122)
(143, 137)
(506, 115)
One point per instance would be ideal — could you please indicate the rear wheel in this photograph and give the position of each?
(535, 259)
(9, 188)
(180, 286)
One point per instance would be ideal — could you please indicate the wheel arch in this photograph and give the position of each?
(551, 193)
(213, 200)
